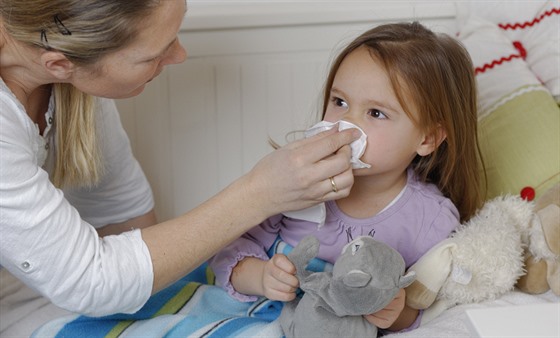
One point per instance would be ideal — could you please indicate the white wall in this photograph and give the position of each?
(254, 70)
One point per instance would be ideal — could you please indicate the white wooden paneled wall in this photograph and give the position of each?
(251, 74)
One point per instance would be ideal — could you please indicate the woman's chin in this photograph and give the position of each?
(133, 93)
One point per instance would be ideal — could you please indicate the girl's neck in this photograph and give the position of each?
(371, 194)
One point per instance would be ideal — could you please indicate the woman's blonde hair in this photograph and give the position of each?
(436, 73)
(84, 31)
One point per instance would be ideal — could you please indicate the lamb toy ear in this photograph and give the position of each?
(432, 270)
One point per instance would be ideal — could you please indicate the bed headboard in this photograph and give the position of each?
(254, 71)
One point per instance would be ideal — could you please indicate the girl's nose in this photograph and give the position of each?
(348, 117)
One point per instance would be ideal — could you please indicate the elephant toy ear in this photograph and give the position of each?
(407, 279)
(300, 256)
(356, 279)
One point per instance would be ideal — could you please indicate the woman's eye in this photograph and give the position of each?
(378, 114)
(156, 59)
(340, 102)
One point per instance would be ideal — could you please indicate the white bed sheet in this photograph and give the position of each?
(454, 321)
(22, 309)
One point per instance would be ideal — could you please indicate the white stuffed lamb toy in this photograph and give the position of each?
(482, 260)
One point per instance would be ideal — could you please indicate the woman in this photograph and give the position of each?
(66, 165)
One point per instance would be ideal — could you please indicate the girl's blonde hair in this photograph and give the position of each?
(84, 31)
(436, 73)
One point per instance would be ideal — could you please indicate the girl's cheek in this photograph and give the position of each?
(370, 144)
(369, 155)
(330, 116)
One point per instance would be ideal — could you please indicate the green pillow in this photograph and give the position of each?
(520, 144)
(519, 120)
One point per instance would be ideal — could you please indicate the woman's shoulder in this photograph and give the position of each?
(109, 126)
(107, 111)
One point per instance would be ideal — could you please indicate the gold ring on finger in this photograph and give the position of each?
(333, 185)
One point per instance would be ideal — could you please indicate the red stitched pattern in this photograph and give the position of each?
(514, 26)
(487, 66)
(520, 48)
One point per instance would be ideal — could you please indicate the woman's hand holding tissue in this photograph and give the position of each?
(298, 175)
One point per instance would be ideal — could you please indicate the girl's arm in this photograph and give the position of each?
(396, 316)
(405, 320)
(274, 278)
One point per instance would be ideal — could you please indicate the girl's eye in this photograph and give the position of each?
(339, 102)
(378, 114)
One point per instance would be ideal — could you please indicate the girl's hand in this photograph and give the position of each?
(278, 279)
(386, 317)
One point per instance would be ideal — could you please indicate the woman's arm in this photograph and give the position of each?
(293, 177)
(42, 232)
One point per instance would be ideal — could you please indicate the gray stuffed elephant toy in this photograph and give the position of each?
(365, 279)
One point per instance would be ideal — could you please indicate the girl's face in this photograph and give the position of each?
(362, 94)
(126, 72)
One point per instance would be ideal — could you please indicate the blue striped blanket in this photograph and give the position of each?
(192, 307)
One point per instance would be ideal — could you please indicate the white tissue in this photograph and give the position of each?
(358, 147)
(318, 213)
(315, 214)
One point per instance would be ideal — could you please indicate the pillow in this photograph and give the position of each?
(519, 120)
(533, 25)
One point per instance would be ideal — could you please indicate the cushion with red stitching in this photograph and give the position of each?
(533, 25)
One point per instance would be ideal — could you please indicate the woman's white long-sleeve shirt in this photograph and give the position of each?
(47, 236)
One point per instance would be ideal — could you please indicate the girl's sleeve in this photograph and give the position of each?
(442, 221)
(254, 243)
(46, 244)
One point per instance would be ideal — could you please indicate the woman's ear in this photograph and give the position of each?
(431, 141)
(57, 64)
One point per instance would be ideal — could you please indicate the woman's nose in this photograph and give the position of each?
(177, 54)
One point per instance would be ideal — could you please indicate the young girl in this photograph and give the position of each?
(413, 93)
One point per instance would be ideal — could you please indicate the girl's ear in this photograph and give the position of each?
(431, 141)
(57, 64)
